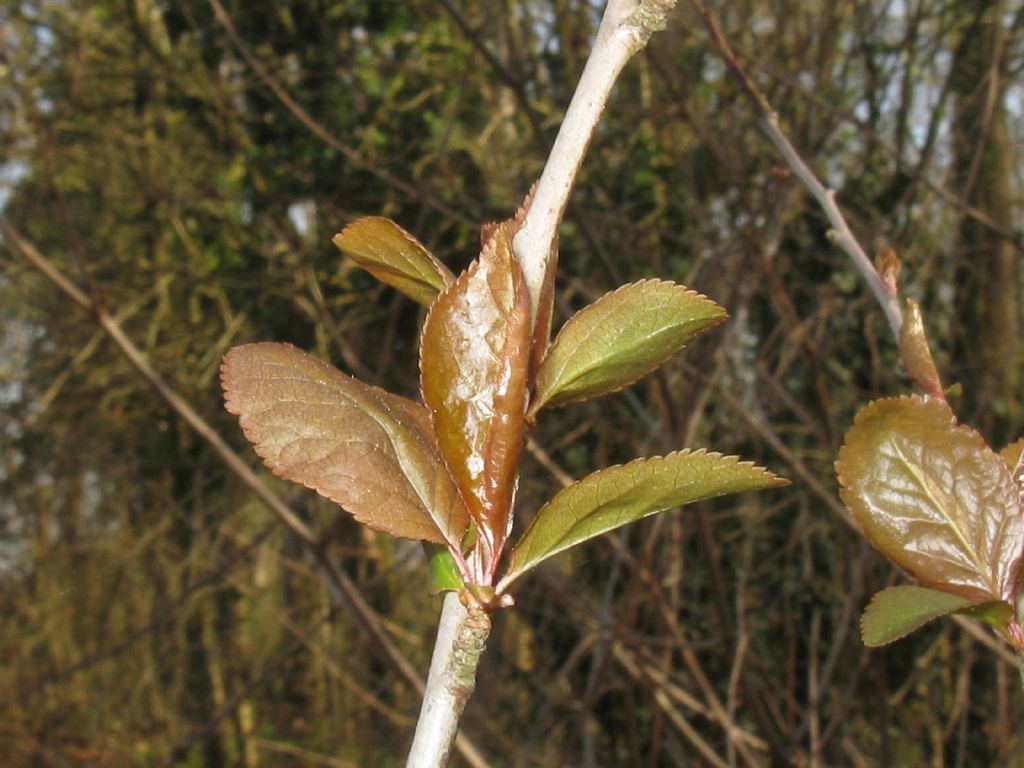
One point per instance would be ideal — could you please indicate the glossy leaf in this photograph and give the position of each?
(474, 357)
(542, 313)
(915, 353)
(1013, 455)
(897, 611)
(933, 498)
(619, 338)
(613, 497)
(395, 257)
(368, 450)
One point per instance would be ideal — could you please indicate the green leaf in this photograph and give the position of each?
(613, 497)
(933, 498)
(444, 573)
(997, 614)
(474, 360)
(619, 338)
(395, 257)
(363, 448)
(897, 611)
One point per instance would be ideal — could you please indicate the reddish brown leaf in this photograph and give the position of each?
(915, 354)
(473, 359)
(368, 450)
(395, 257)
(1013, 455)
(888, 266)
(545, 310)
(933, 497)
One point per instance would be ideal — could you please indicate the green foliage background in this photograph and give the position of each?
(153, 611)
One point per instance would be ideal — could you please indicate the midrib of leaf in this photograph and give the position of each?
(380, 414)
(561, 545)
(599, 362)
(405, 460)
(926, 489)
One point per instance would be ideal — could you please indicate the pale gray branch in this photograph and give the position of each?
(461, 638)
(625, 28)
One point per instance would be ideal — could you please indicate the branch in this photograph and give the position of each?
(461, 638)
(841, 233)
(845, 239)
(626, 27)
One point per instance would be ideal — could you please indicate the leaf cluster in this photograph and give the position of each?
(446, 471)
(937, 501)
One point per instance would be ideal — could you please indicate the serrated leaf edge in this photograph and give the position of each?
(447, 278)
(968, 603)
(775, 481)
(866, 412)
(266, 456)
(538, 404)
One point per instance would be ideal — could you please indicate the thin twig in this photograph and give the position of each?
(841, 233)
(461, 639)
(625, 28)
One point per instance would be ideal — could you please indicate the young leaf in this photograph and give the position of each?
(542, 313)
(621, 337)
(474, 359)
(888, 266)
(545, 312)
(363, 448)
(915, 354)
(997, 614)
(444, 573)
(395, 257)
(897, 611)
(1013, 455)
(933, 498)
(619, 495)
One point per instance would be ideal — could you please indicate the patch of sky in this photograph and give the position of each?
(11, 172)
(302, 215)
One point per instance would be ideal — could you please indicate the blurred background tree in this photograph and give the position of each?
(186, 164)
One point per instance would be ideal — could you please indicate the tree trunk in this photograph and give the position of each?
(987, 357)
